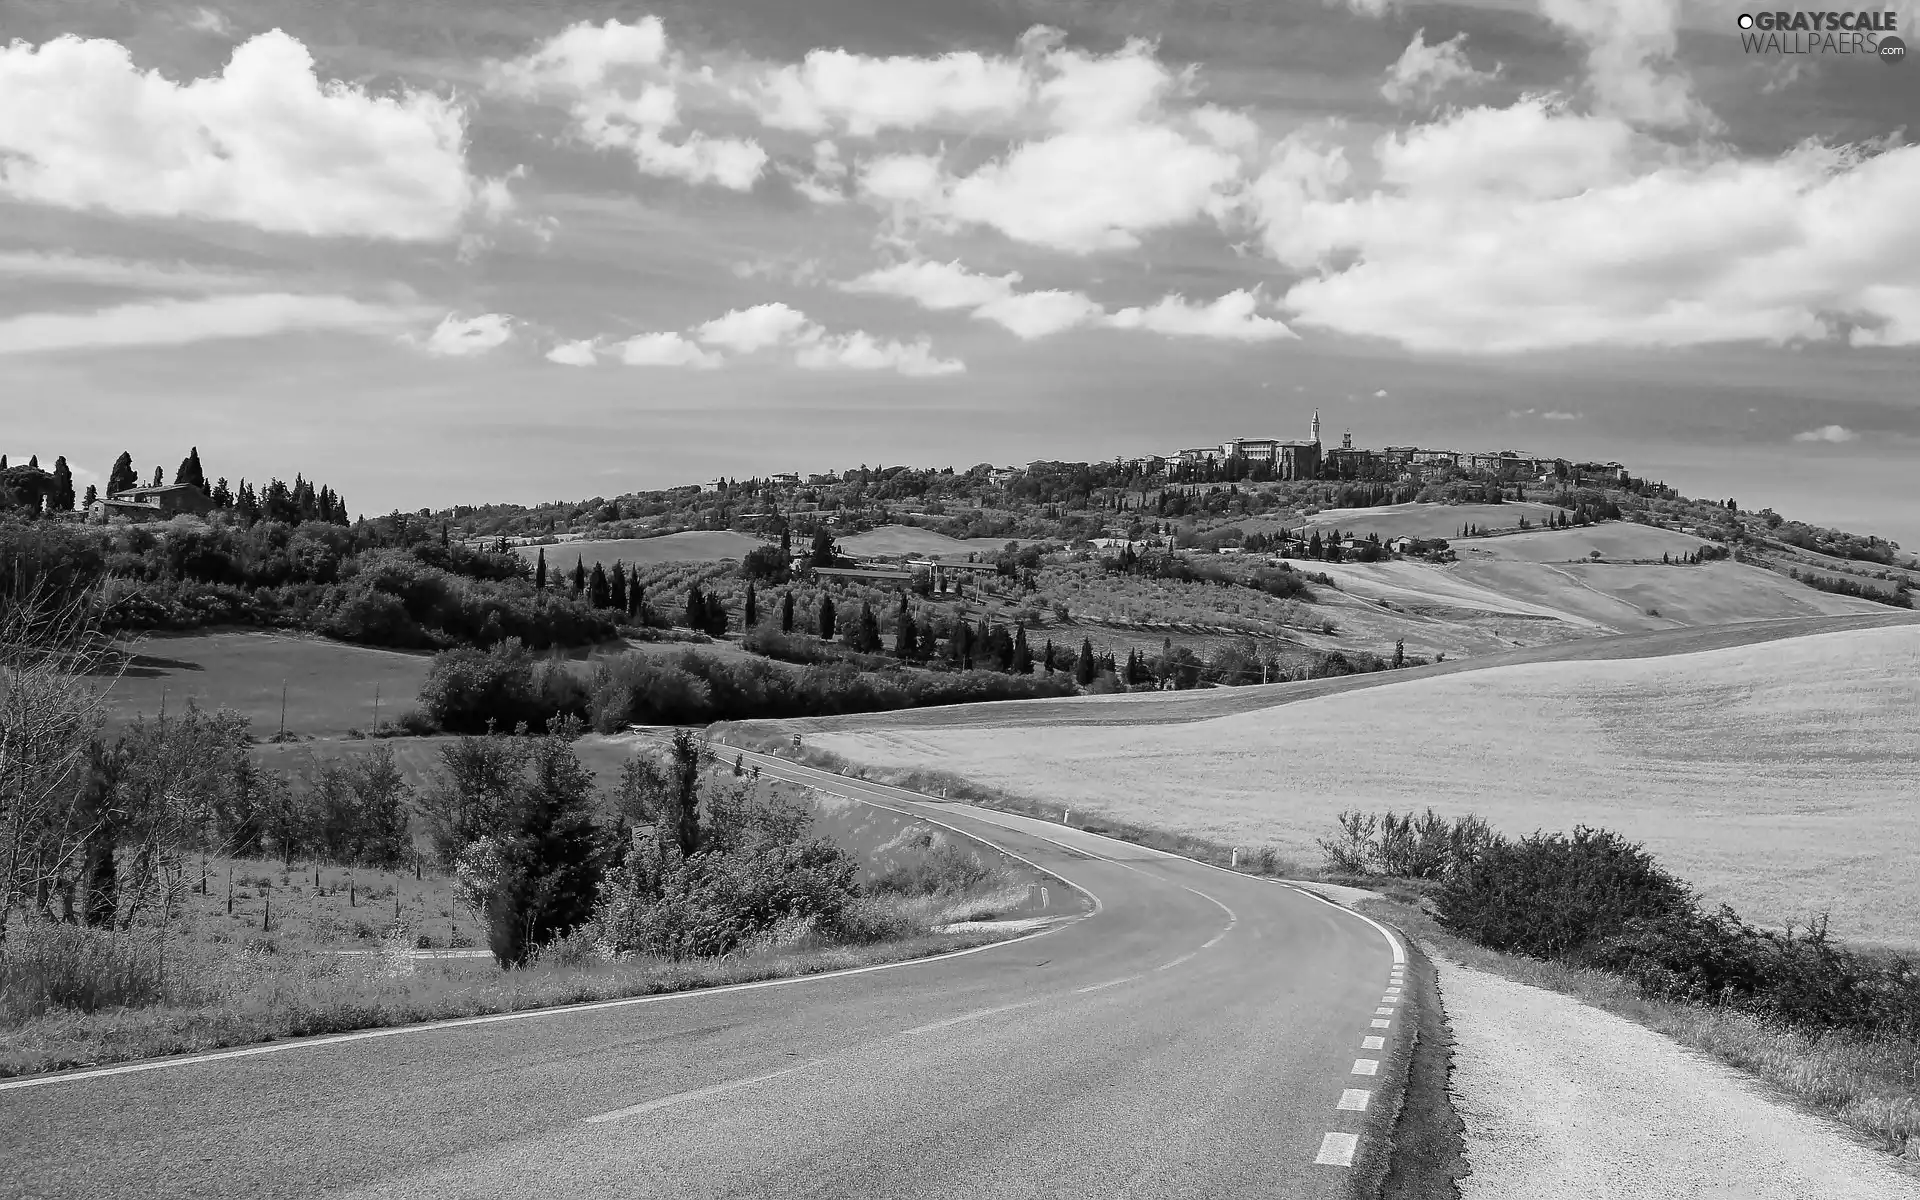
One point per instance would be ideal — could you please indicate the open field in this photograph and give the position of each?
(1425, 520)
(329, 685)
(1777, 776)
(1619, 540)
(1617, 596)
(691, 546)
(906, 539)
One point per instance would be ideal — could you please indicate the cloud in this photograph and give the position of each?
(861, 351)
(265, 143)
(464, 337)
(1827, 433)
(861, 95)
(666, 350)
(745, 330)
(1233, 317)
(622, 83)
(581, 353)
(1535, 226)
(207, 20)
(1555, 415)
(1381, 394)
(1030, 315)
(935, 285)
(180, 322)
(1424, 70)
(1630, 45)
(132, 274)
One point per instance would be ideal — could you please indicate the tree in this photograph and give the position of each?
(1400, 652)
(750, 615)
(1085, 668)
(904, 639)
(696, 608)
(786, 613)
(617, 595)
(867, 633)
(826, 618)
(93, 493)
(1022, 655)
(121, 477)
(190, 470)
(825, 553)
(599, 591)
(716, 617)
(927, 647)
(61, 500)
(159, 477)
(1047, 656)
(579, 575)
(540, 571)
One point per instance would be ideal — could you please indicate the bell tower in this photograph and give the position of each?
(1316, 427)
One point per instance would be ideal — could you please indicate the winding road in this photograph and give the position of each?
(1198, 1034)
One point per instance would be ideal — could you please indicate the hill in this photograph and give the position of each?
(1623, 541)
(1777, 776)
(701, 545)
(1426, 520)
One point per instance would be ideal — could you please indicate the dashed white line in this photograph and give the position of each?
(1382, 1012)
(1176, 962)
(1355, 1100)
(634, 1110)
(1382, 1023)
(1336, 1149)
(1109, 983)
(1373, 1043)
(965, 1017)
(1366, 1066)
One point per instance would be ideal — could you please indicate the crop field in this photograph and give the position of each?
(1621, 541)
(1618, 596)
(905, 539)
(1426, 520)
(1777, 776)
(691, 546)
(330, 686)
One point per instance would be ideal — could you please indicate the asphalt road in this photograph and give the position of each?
(1193, 1036)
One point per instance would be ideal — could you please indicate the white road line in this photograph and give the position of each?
(1366, 1066)
(1109, 983)
(1373, 1043)
(1383, 1012)
(1355, 1100)
(1382, 1023)
(965, 1017)
(1336, 1150)
(1176, 962)
(718, 1089)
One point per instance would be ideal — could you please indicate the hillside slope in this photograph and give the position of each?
(1778, 776)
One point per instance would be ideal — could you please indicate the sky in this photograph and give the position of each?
(436, 253)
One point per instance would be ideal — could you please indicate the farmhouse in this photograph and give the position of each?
(870, 573)
(152, 503)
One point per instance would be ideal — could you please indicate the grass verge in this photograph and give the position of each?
(252, 1001)
(1869, 1085)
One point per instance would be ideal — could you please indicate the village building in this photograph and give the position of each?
(152, 503)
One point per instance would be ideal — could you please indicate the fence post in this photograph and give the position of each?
(1236, 858)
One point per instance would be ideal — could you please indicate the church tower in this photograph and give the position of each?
(1316, 427)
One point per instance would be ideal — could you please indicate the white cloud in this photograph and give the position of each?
(581, 353)
(861, 351)
(1381, 394)
(1555, 415)
(1537, 227)
(1827, 433)
(935, 285)
(745, 330)
(464, 337)
(861, 95)
(265, 143)
(133, 274)
(1630, 45)
(826, 182)
(206, 20)
(622, 83)
(666, 350)
(1233, 317)
(1030, 315)
(179, 322)
(1424, 70)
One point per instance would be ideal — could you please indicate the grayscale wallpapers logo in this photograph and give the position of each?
(1863, 33)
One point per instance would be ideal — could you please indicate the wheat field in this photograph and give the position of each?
(1783, 778)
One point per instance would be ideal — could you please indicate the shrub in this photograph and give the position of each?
(46, 965)
(946, 869)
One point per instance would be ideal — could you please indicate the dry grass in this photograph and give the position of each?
(1624, 541)
(1777, 777)
(1426, 520)
(907, 539)
(690, 546)
(1871, 1085)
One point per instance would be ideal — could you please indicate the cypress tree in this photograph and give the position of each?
(786, 613)
(716, 617)
(1048, 656)
(751, 613)
(869, 633)
(696, 608)
(190, 471)
(1022, 654)
(33, 461)
(617, 597)
(121, 477)
(1083, 669)
(637, 595)
(926, 649)
(540, 571)
(93, 493)
(904, 636)
(62, 498)
(159, 477)
(579, 575)
(599, 591)
(826, 617)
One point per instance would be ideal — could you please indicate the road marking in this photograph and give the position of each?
(1176, 962)
(1109, 983)
(1366, 1066)
(1355, 1100)
(1373, 1043)
(1336, 1150)
(965, 1017)
(1381, 1023)
(718, 1089)
(1383, 1012)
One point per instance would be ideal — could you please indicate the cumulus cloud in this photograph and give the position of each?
(1630, 45)
(464, 337)
(1827, 433)
(745, 330)
(1381, 394)
(1233, 317)
(860, 95)
(180, 322)
(1536, 226)
(622, 84)
(666, 350)
(861, 351)
(938, 286)
(1423, 70)
(265, 143)
(1030, 315)
(582, 353)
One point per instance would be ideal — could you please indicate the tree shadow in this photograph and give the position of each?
(146, 666)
